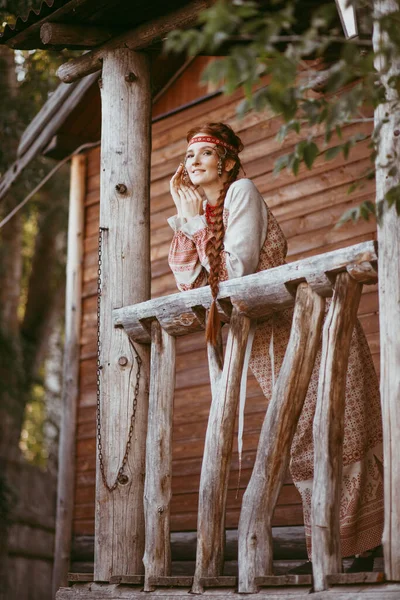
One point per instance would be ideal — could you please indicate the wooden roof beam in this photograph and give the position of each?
(135, 39)
(79, 36)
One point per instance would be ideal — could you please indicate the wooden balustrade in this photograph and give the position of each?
(157, 489)
(304, 283)
(329, 429)
(259, 500)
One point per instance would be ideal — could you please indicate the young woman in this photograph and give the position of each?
(223, 229)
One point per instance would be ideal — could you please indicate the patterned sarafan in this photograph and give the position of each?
(361, 504)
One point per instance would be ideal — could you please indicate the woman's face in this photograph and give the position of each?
(201, 163)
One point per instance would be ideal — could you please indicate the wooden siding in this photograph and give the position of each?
(307, 207)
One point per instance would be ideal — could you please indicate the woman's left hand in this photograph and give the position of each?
(191, 200)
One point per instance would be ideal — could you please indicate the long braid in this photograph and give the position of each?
(214, 254)
(233, 145)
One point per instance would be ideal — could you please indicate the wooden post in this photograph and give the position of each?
(217, 456)
(66, 463)
(125, 279)
(215, 355)
(389, 303)
(329, 428)
(157, 487)
(259, 500)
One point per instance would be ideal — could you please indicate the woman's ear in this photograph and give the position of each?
(229, 164)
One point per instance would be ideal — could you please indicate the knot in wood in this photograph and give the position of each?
(160, 510)
(396, 132)
(130, 77)
(122, 361)
(123, 479)
(187, 319)
(121, 188)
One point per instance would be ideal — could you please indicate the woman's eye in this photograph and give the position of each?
(207, 152)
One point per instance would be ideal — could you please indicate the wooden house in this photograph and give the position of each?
(118, 246)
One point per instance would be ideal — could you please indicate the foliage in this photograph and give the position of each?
(32, 441)
(317, 80)
(27, 79)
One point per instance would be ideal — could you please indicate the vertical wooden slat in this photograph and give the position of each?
(389, 296)
(329, 429)
(157, 487)
(217, 456)
(70, 392)
(125, 279)
(259, 500)
(215, 356)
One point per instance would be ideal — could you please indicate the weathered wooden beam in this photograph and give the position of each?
(80, 577)
(70, 392)
(91, 591)
(282, 580)
(136, 39)
(125, 277)
(289, 543)
(217, 456)
(176, 581)
(353, 578)
(79, 36)
(329, 429)
(256, 295)
(129, 579)
(42, 129)
(157, 486)
(389, 295)
(273, 452)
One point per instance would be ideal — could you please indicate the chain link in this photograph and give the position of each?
(121, 477)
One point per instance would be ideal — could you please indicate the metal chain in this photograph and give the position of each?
(121, 477)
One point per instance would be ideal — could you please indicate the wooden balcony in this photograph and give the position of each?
(303, 284)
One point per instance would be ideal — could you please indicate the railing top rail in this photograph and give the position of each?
(257, 295)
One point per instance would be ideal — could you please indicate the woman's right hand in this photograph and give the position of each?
(186, 197)
(174, 186)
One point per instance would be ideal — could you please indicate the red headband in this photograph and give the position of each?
(213, 140)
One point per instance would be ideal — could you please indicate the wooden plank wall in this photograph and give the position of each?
(307, 208)
(31, 532)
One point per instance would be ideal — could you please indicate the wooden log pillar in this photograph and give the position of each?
(329, 429)
(157, 488)
(73, 299)
(215, 356)
(217, 456)
(125, 279)
(273, 452)
(389, 300)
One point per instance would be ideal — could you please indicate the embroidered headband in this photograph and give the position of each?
(213, 140)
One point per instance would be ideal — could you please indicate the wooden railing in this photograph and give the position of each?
(304, 284)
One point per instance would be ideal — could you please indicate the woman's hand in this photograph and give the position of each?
(186, 197)
(174, 186)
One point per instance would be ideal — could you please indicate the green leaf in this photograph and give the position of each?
(346, 149)
(338, 132)
(310, 153)
(393, 196)
(281, 163)
(332, 152)
(352, 214)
